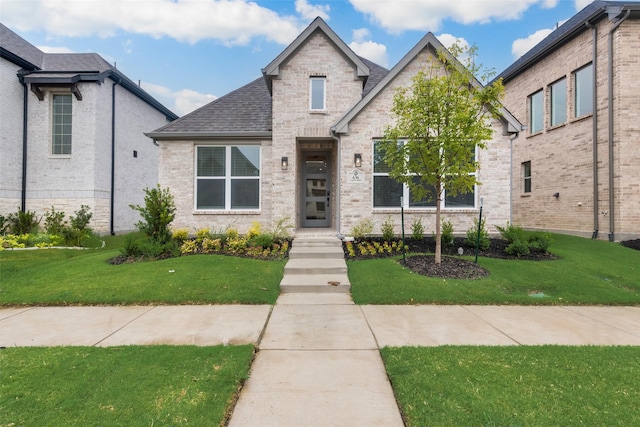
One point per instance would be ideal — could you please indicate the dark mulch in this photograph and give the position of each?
(633, 244)
(449, 268)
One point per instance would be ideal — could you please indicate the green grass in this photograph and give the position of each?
(516, 386)
(121, 386)
(75, 277)
(589, 272)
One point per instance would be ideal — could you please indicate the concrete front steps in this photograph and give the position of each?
(316, 265)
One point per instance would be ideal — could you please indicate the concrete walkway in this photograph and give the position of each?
(318, 361)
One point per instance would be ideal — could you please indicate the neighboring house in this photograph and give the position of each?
(300, 142)
(578, 91)
(71, 134)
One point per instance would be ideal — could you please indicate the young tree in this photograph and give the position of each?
(157, 214)
(437, 123)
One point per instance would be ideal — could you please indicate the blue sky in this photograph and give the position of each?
(187, 53)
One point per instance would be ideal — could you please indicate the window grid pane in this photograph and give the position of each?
(245, 161)
(317, 93)
(584, 91)
(535, 112)
(211, 161)
(61, 124)
(559, 102)
(526, 170)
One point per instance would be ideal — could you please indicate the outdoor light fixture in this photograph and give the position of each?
(285, 163)
(357, 160)
(556, 195)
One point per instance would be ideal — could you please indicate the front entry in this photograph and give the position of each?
(316, 189)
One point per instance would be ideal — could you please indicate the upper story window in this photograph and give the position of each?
(536, 119)
(558, 93)
(317, 92)
(584, 91)
(61, 124)
(526, 176)
(228, 177)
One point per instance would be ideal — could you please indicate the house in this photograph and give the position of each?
(299, 142)
(71, 134)
(578, 91)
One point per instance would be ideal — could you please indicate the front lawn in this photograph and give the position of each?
(516, 386)
(121, 386)
(84, 277)
(588, 272)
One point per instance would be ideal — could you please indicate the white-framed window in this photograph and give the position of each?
(61, 120)
(558, 94)
(526, 176)
(536, 119)
(387, 192)
(227, 177)
(317, 93)
(583, 82)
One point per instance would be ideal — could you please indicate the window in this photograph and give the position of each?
(584, 91)
(228, 177)
(558, 94)
(526, 173)
(317, 92)
(61, 124)
(535, 112)
(387, 192)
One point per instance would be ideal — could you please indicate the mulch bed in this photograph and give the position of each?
(633, 244)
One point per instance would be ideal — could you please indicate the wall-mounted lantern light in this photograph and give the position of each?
(556, 195)
(357, 160)
(285, 163)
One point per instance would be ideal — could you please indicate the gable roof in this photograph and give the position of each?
(39, 68)
(565, 32)
(272, 70)
(429, 41)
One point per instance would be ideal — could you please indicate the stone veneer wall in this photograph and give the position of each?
(562, 156)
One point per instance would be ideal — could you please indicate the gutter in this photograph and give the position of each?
(25, 117)
(594, 130)
(611, 127)
(511, 141)
(337, 193)
(113, 157)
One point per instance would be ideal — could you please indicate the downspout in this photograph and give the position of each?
(610, 107)
(511, 140)
(25, 116)
(113, 156)
(594, 130)
(337, 192)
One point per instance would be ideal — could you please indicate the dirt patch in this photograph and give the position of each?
(449, 268)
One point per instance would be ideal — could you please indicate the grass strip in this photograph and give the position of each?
(121, 386)
(516, 386)
(589, 272)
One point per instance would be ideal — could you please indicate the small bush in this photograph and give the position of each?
(180, 235)
(80, 222)
(54, 221)
(362, 229)
(446, 236)
(417, 229)
(254, 230)
(231, 233)
(131, 248)
(539, 241)
(22, 222)
(157, 214)
(280, 229)
(202, 234)
(472, 235)
(523, 243)
(211, 245)
(264, 241)
(388, 226)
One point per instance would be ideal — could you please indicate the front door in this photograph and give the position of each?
(316, 189)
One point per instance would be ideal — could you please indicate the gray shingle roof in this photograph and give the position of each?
(22, 52)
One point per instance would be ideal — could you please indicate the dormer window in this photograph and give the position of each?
(317, 93)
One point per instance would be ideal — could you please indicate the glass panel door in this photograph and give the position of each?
(316, 190)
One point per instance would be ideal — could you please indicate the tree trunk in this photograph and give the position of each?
(438, 254)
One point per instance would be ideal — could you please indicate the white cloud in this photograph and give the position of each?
(373, 51)
(180, 102)
(55, 49)
(449, 40)
(232, 22)
(581, 4)
(427, 15)
(310, 12)
(521, 46)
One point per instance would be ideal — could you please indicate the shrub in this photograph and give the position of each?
(254, 230)
(211, 245)
(388, 226)
(189, 247)
(130, 247)
(522, 243)
(202, 234)
(22, 222)
(472, 235)
(153, 249)
(539, 241)
(231, 233)
(80, 222)
(54, 221)
(417, 229)
(362, 229)
(518, 248)
(446, 236)
(180, 235)
(157, 214)
(280, 229)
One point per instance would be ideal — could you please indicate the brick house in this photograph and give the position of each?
(300, 142)
(71, 134)
(578, 91)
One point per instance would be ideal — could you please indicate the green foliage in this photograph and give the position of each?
(22, 222)
(280, 229)
(417, 229)
(264, 241)
(522, 242)
(54, 221)
(254, 230)
(78, 231)
(180, 235)
(82, 218)
(157, 214)
(362, 228)
(447, 233)
(539, 241)
(202, 234)
(472, 235)
(130, 247)
(388, 226)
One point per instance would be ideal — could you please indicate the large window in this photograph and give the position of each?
(317, 91)
(584, 91)
(61, 124)
(536, 119)
(387, 192)
(558, 92)
(228, 177)
(526, 175)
